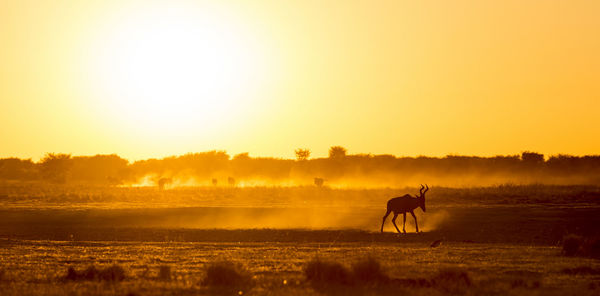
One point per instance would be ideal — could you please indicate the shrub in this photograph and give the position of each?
(591, 247)
(111, 273)
(226, 274)
(581, 270)
(368, 271)
(321, 272)
(524, 283)
(451, 279)
(575, 245)
(572, 244)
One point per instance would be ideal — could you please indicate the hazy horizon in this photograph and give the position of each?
(293, 157)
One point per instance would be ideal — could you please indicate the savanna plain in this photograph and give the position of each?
(304, 240)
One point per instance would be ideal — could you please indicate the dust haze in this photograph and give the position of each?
(339, 170)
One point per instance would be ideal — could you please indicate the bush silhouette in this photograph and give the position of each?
(572, 245)
(368, 271)
(112, 274)
(323, 272)
(226, 274)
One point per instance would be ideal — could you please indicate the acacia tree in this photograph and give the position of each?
(56, 167)
(337, 152)
(302, 154)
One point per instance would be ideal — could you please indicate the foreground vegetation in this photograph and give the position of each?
(45, 268)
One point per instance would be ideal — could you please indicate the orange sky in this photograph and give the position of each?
(156, 78)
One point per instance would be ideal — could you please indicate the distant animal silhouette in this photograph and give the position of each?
(319, 182)
(162, 182)
(404, 204)
(231, 181)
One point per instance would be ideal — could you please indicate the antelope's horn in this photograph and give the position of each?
(426, 189)
(421, 190)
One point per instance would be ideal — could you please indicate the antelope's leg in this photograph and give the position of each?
(404, 223)
(416, 225)
(384, 217)
(394, 222)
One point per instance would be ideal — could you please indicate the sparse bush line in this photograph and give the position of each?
(113, 273)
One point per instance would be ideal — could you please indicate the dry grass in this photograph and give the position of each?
(281, 268)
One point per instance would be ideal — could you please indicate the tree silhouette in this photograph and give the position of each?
(56, 167)
(337, 152)
(17, 169)
(532, 157)
(527, 167)
(108, 169)
(242, 156)
(302, 154)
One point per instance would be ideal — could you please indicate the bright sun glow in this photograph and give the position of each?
(173, 69)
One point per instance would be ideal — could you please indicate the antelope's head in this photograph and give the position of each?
(421, 196)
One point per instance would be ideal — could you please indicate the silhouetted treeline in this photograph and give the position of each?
(216, 168)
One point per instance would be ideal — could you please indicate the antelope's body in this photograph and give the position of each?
(405, 204)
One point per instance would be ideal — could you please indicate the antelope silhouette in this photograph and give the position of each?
(404, 204)
(164, 182)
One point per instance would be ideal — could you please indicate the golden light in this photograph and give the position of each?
(169, 68)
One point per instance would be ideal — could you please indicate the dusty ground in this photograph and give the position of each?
(504, 247)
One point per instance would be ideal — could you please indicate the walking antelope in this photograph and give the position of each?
(403, 204)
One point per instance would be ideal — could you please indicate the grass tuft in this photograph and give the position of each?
(164, 273)
(226, 274)
(451, 279)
